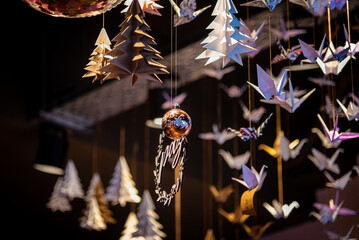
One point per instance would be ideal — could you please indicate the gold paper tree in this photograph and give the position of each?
(132, 53)
(98, 58)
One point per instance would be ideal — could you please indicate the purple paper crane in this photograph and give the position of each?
(330, 212)
(334, 134)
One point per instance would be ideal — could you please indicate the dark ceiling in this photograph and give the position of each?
(45, 57)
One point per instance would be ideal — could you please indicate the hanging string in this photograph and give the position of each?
(351, 60)
(171, 67)
(331, 75)
(95, 151)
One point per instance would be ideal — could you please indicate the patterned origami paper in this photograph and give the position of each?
(251, 178)
(223, 43)
(270, 4)
(290, 104)
(339, 183)
(279, 210)
(148, 6)
(234, 162)
(314, 5)
(334, 60)
(322, 162)
(234, 217)
(234, 91)
(219, 137)
(286, 34)
(310, 53)
(323, 81)
(338, 4)
(286, 54)
(177, 100)
(221, 195)
(132, 53)
(186, 11)
(255, 115)
(334, 135)
(250, 132)
(334, 236)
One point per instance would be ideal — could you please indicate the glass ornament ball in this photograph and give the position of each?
(176, 124)
(72, 8)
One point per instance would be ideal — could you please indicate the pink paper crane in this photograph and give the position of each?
(334, 134)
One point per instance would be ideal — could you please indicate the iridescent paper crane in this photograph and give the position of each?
(352, 111)
(251, 178)
(325, 140)
(186, 11)
(334, 135)
(334, 60)
(314, 5)
(286, 34)
(338, 4)
(270, 4)
(310, 53)
(254, 36)
(279, 210)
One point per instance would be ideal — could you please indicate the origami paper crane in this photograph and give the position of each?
(286, 34)
(222, 195)
(234, 217)
(328, 213)
(251, 178)
(323, 81)
(255, 115)
(270, 4)
(218, 72)
(234, 162)
(219, 137)
(338, 4)
(286, 54)
(148, 6)
(335, 236)
(169, 103)
(310, 53)
(279, 210)
(233, 91)
(334, 60)
(314, 5)
(186, 11)
(251, 132)
(334, 134)
(254, 36)
(326, 141)
(351, 112)
(256, 231)
(267, 86)
(292, 103)
(339, 183)
(323, 162)
(331, 110)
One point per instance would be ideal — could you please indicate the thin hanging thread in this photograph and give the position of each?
(351, 60)
(331, 75)
(171, 77)
(95, 150)
(103, 20)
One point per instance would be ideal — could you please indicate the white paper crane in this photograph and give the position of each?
(251, 178)
(322, 162)
(339, 183)
(219, 137)
(279, 210)
(234, 162)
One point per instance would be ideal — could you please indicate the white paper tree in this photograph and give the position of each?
(122, 188)
(224, 40)
(147, 227)
(71, 185)
(58, 201)
(92, 219)
(130, 226)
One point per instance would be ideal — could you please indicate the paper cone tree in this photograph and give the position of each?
(132, 53)
(130, 226)
(58, 201)
(224, 42)
(71, 185)
(147, 226)
(99, 57)
(92, 219)
(122, 188)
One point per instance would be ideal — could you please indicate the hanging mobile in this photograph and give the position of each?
(176, 124)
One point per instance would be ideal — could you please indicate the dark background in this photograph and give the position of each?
(45, 57)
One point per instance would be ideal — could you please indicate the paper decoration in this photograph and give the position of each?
(223, 43)
(279, 210)
(290, 104)
(351, 112)
(222, 195)
(338, 4)
(177, 100)
(286, 34)
(286, 54)
(121, 188)
(251, 178)
(234, 91)
(99, 57)
(256, 231)
(322, 162)
(334, 60)
(186, 11)
(148, 227)
(217, 72)
(353, 48)
(254, 36)
(339, 183)
(130, 227)
(148, 6)
(255, 115)
(132, 53)
(282, 147)
(336, 236)
(310, 53)
(334, 135)
(58, 201)
(176, 151)
(270, 4)
(323, 81)
(251, 132)
(234, 162)
(92, 219)
(219, 137)
(329, 107)
(71, 185)
(329, 213)
(234, 217)
(326, 141)
(209, 235)
(267, 87)
(247, 202)
(314, 5)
